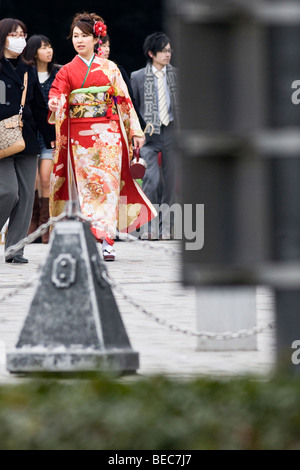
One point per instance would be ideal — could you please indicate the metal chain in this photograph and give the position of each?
(26, 241)
(42, 229)
(202, 334)
(33, 236)
(147, 244)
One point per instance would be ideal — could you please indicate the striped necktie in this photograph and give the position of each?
(162, 101)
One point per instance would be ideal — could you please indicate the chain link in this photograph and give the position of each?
(200, 334)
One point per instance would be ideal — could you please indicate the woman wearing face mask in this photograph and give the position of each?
(18, 172)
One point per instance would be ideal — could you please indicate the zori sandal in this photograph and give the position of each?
(109, 255)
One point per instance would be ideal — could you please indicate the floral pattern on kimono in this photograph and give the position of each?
(93, 153)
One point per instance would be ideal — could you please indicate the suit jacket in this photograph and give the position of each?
(35, 112)
(143, 88)
(137, 80)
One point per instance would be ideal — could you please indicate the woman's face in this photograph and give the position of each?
(15, 43)
(44, 53)
(105, 50)
(83, 43)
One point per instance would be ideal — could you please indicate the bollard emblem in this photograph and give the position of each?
(64, 270)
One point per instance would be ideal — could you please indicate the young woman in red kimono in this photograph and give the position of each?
(96, 125)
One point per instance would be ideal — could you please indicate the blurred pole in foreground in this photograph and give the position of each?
(239, 150)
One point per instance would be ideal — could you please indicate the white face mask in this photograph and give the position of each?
(16, 45)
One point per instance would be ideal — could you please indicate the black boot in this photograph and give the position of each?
(34, 224)
(44, 217)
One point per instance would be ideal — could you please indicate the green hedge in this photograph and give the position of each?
(154, 413)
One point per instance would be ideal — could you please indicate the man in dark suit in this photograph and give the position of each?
(156, 93)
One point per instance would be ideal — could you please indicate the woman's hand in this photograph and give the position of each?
(53, 104)
(138, 141)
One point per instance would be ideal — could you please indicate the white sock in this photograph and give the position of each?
(106, 246)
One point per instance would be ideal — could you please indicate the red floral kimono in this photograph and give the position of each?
(94, 129)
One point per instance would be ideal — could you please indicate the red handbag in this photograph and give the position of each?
(138, 165)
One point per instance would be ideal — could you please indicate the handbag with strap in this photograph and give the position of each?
(11, 137)
(138, 165)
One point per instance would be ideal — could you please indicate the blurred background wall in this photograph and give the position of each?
(129, 22)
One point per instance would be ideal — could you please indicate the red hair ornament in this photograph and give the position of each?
(99, 30)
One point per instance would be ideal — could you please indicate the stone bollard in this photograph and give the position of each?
(226, 310)
(73, 324)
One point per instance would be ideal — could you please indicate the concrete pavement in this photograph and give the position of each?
(149, 274)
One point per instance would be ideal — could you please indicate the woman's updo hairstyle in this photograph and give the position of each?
(86, 22)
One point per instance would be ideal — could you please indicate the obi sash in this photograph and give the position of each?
(93, 102)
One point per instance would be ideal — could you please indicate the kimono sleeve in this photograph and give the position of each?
(134, 102)
(126, 104)
(61, 84)
(60, 89)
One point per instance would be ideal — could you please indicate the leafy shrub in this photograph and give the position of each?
(103, 412)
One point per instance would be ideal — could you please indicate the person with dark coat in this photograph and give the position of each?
(18, 172)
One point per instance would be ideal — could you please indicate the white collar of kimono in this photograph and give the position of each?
(87, 62)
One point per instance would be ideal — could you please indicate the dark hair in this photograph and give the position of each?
(85, 21)
(155, 43)
(33, 44)
(8, 25)
(105, 39)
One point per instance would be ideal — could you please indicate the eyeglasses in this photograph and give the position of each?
(167, 51)
(17, 35)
